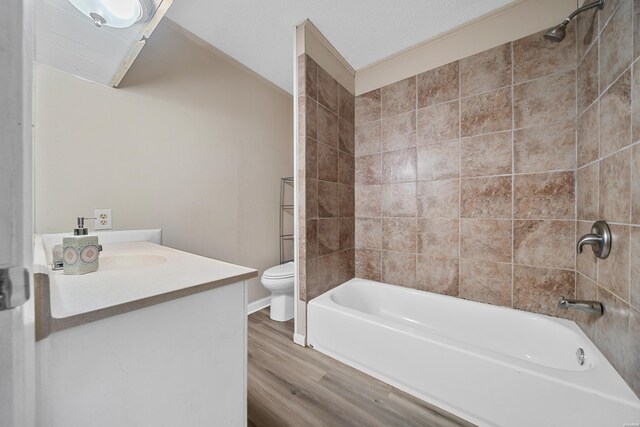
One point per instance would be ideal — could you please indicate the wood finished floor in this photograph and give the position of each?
(289, 385)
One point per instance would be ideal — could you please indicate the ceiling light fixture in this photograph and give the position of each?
(112, 13)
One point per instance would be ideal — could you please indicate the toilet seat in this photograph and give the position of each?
(282, 271)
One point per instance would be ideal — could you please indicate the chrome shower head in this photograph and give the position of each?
(557, 33)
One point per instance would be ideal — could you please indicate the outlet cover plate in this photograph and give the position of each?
(103, 219)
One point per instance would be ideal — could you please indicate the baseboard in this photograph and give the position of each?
(258, 305)
(299, 339)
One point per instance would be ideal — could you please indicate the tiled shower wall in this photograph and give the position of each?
(465, 177)
(326, 166)
(608, 177)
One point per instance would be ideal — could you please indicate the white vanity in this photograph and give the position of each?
(155, 337)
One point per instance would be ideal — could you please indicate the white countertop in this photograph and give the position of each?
(118, 282)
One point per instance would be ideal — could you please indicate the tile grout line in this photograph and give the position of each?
(459, 180)
(513, 165)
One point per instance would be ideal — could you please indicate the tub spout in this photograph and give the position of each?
(593, 307)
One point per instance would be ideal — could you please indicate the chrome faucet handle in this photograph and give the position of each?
(599, 239)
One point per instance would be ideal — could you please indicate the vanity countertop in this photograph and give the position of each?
(132, 275)
(117, 281)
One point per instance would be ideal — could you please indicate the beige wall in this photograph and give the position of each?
(511, 22)
(191, 143)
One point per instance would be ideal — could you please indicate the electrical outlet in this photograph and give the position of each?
(103, 219)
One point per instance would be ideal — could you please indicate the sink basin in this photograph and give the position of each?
(124, 261)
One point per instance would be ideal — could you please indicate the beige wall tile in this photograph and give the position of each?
(310, 159)
(310, 88)
(346, 105)
(399, 131)
(369, 169)
(327, 163)
(544, 101)
(587, 192)
(399, 234)
(438, 85)
(586, 31)
(534, 56)
(586, 262)
(486, 113)
(586, 289)
(613, 272)
(328, 235)
(439, 161)
(486, 155)
(485, 71)
(439, 275)
(544, 243)
(398, 97)
(346, 169)
(369, 264)
(635, 97)
(636, 30)
(399, 268)
(635, 184)
(438, 123)
(538, 289)
(399, 166)
(487, 282)
(327, 90)
(347, 233)
(545, 195)
(346, 200)
(368, 138)
(368, 201)
(486, 197)
(616, 44)
(615, 187)
(327, 126)
(311, 199)
(615, 116)
(545, 148)
(634, 260)
(346, 136)
(311, 233)
(328, 200)
(310, 113)
(368, 233)
(399, 200)
(612, 332)
(438, 237)
(367, 107)
(588, 135)
(486, 239)
(439, 199)
(588, 79)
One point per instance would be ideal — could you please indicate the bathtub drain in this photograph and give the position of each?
(580, 356)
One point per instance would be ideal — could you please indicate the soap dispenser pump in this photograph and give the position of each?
(81, 251)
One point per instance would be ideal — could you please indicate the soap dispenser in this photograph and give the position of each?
(80, 252)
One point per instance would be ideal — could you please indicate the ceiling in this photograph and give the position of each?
(260, 33)
(68, 40)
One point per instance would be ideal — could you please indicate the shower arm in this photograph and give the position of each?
(599, 4)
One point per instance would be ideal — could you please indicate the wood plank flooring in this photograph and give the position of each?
(289, 385)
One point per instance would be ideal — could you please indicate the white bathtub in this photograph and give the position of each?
(490, 365)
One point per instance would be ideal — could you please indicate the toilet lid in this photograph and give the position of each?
(281, 271)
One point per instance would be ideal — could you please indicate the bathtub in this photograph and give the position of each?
(490, 365)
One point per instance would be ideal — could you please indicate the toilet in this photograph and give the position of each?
(279, 280)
